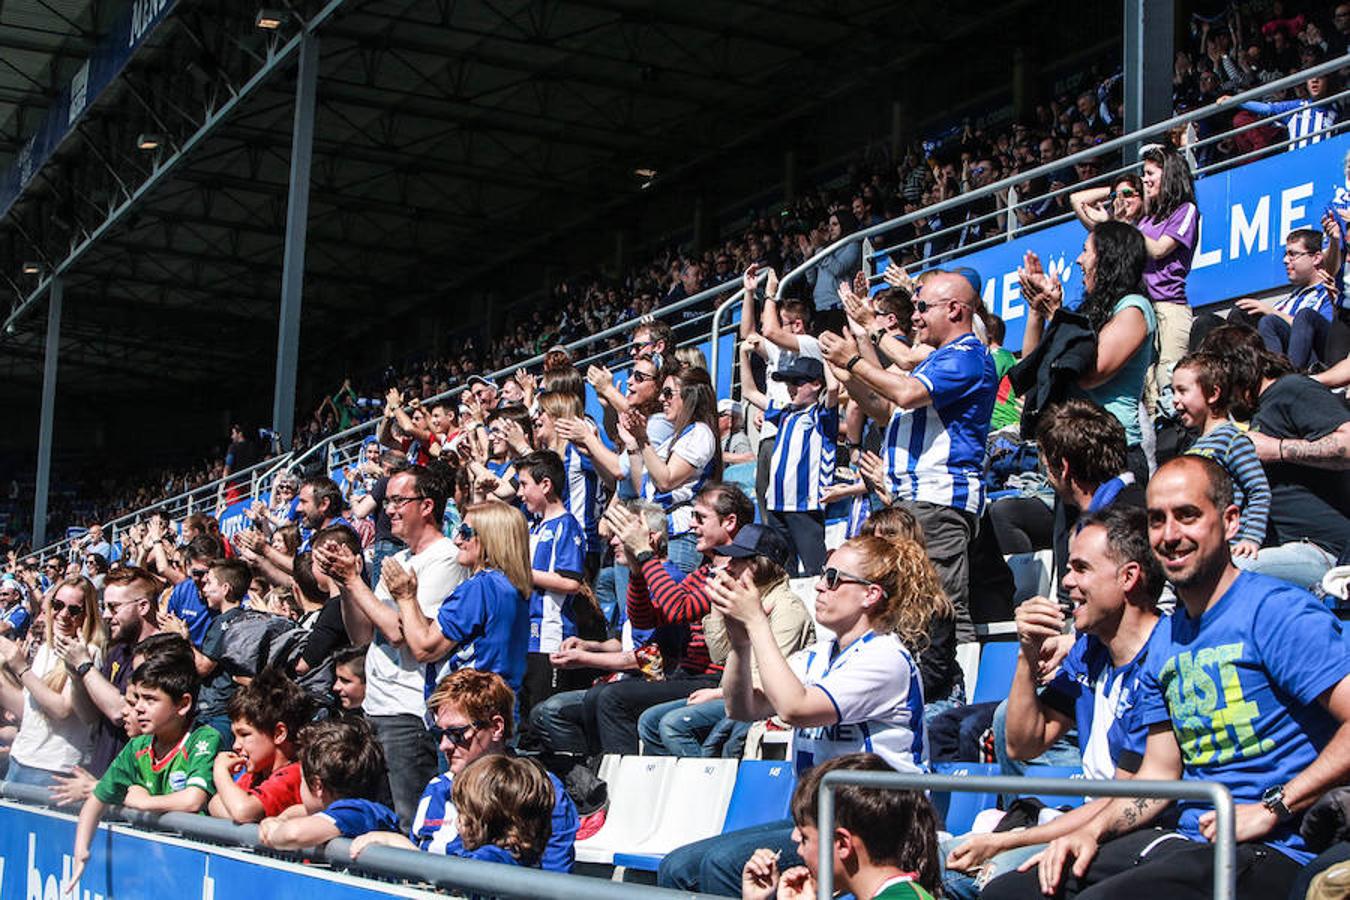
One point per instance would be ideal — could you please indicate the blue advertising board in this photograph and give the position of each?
(35, 864)
(1244, 215)
(107, 60)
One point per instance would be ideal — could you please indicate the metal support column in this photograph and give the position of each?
(51, 356)
(297, 225)
(1148, 62)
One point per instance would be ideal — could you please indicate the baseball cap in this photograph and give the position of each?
(726, 405)
(803, 368)
(756, 540)
(479, 379)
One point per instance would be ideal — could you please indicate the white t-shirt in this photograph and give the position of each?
(395, 680)
(697, 445)
(875, 688)
(777, 358)
(55, 745)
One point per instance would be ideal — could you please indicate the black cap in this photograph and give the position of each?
(756, 540)
(803, 368)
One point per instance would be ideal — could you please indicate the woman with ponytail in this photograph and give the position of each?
(859, 690)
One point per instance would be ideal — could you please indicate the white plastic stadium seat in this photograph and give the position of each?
(609, 764)
(693, 807)
(635, 792)
(805, 589)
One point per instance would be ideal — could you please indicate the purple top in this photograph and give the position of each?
(1165, 278)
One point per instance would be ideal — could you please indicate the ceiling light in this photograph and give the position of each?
(32, 268)
(148, 141)
(269, 19)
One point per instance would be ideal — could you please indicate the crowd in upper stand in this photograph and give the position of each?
(1241, 47)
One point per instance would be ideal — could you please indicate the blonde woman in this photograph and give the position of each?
(859, 690)
(57, 715)
(485, 623)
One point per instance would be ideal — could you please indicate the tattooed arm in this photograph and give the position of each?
(1329, 452)
(1162, 762)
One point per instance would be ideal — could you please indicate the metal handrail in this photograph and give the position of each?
(215, 487)
(1225, 842)
(1120, 143)
(462, 875)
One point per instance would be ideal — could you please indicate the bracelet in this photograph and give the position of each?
(877, 335)
(848, 366)
(1281, 449)
(19, 675)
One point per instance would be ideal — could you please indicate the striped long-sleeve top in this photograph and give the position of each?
(1233, 450)
(656, 599)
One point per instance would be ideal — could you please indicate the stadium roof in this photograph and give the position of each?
(454, 142)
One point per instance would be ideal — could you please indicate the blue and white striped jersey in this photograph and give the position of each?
(803, 455)
(935, 453)
(1306, 124)
(1313, 296)
(558, 546)
(583, 497)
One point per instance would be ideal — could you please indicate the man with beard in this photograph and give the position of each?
(319, 507)
(131, 607)
(1247, 684)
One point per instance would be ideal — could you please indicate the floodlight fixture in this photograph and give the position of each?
(269, 19)
(32, 268)
(148, 141)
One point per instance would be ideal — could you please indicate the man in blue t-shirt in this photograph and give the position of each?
(1247, 685)
(936, 422)
(185, 597)
(1113, 583)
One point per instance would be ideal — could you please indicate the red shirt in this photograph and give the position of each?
(277, 790)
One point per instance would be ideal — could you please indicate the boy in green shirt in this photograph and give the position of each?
(165, 769)
(885, 841)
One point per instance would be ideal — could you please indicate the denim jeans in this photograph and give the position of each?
(713, 865)
(410, 754)
(967, 885)
(608, 597)
(675, 728)
(1299, 562)
(561, 723)
(683, 552)
(18, 773)
(378, 552)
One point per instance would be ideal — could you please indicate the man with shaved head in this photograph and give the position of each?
(936, 420)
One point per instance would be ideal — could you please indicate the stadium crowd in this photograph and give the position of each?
(436, 652)
(1242, 46)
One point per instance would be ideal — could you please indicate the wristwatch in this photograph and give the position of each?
(83, 668)
(645, 556)
(1273, 800)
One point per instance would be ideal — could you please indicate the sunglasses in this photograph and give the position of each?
(834, 577)
(457, 734)
(60, 606)
(466, 532)
(667, 393)
(198, 573)
(640, 376)
(923, 306)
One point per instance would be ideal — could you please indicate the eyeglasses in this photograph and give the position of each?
(456, 734)
(639, 376)
(667, 393)
(1295, 254)
(466, 532)
(834, 577)
(393, 502)
(75, 610)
